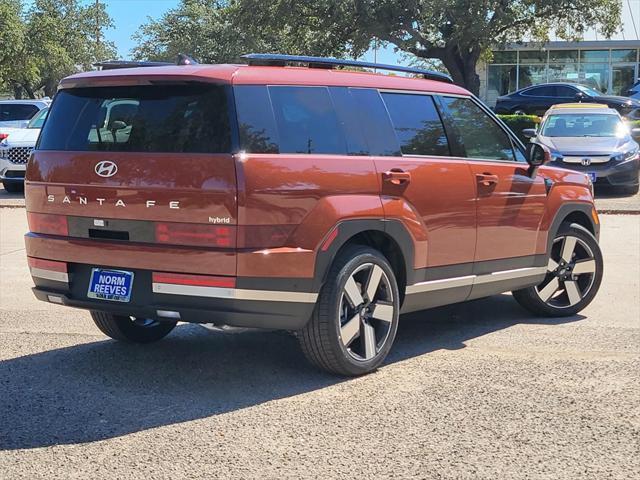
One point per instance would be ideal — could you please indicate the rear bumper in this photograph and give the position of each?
(240, 307)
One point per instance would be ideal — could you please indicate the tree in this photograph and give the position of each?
(217, 31)
(54, 38)
(456, 32)
(12, 31)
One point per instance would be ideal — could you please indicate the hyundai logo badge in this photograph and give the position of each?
(106, 168)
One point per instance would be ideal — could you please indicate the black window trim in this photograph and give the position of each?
(515, 141)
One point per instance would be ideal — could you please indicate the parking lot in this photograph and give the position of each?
(477, 390)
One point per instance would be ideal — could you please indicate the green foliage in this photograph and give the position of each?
(52, 39)
(217, 31)
(517, 123)
(455, 32)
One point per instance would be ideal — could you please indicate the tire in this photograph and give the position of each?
(518, 111)
(351, 331)
(130, 329)
(13, 187)
(568, 287)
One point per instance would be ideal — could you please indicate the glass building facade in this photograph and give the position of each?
(610, 69)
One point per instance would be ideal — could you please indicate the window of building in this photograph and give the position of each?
(595, 75)
(533, 56)
(563, 72)
(505, 57)
(624, 55)
(563, 56)
(532, 75)
(481, 137)
(306, 120)
(501, 80)
(594, 56)
(417, 124)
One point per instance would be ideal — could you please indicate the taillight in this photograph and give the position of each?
(193, 280)
(3, 136)
(196, 234)
(47, 223)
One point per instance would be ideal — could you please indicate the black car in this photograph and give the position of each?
(537, 99)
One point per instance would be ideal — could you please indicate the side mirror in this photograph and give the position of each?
(537, 155)
(580, 96)
(529, 132)
(117, 125)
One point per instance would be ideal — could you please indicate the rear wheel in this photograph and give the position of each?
(355, 320)
(574, 274)
(131, 329)
(13, 187)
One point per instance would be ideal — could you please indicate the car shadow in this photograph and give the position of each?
(100, 390)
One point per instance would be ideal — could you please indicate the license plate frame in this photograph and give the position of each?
(105, 284)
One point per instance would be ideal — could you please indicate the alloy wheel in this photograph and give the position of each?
(366, 312)
(570, 273)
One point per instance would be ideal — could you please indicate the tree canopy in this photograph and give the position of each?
(456, 32)
(48, 41)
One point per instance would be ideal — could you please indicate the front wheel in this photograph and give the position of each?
(574, 274)
(355, 320)
(131, 329)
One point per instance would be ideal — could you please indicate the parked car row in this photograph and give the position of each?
(537, 99)
(591, 139)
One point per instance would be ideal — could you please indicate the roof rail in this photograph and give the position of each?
(274, 59)
(182, 59)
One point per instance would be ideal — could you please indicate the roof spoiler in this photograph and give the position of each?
(278, 60)
(115, 64)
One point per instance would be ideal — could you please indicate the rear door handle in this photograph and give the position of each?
(487, 179)
(396, 176)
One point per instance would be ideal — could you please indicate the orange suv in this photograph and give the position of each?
(306, 198)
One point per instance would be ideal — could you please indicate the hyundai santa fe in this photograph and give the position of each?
(320, 201)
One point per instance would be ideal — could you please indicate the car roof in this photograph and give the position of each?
(37, 101)
(257, 75)
(573, 108)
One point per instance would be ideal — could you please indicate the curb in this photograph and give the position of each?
(618, 212)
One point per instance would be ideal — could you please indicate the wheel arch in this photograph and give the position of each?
(389, 237)
(580, 213)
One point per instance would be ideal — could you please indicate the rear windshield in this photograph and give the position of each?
(584, 125)
(16, 111)
(158, 118)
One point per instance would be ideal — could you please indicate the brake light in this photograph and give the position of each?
(49, 265)
(196, 234)
(194, 280)
(49, 224)
(3, 136)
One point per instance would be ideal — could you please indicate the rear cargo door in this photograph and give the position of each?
(148, 163)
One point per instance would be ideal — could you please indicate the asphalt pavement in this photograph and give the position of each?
(475, 390)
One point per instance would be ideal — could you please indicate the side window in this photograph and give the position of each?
(346, 109)
(480, 136)
(306, 120)
(256, 124)
(565, 92)
(547, 91)
(375, 123)
(417, 124)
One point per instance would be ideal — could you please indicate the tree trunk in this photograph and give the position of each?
(50, 87)
(462, 67)
(17, 91)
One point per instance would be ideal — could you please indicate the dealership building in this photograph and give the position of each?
(611, 66)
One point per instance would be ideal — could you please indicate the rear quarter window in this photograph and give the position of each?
(168, 118)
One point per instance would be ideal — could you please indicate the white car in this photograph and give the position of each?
(16, 145)
(17, 113)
